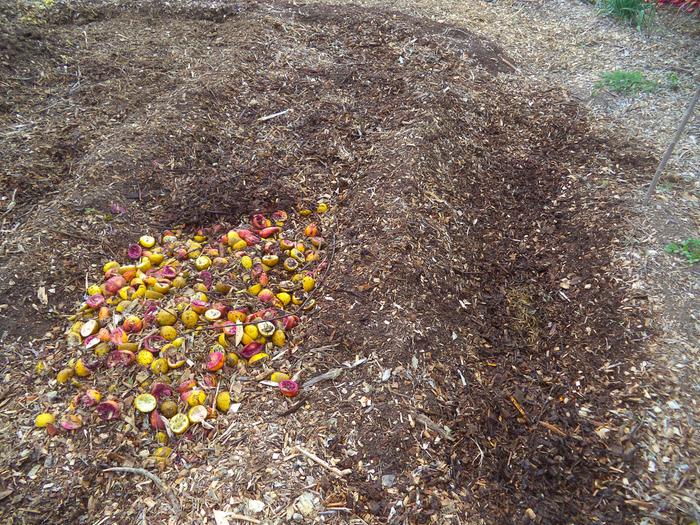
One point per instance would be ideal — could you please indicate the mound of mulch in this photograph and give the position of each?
(472, 308)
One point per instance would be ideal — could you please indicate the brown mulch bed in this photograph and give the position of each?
(475, 224)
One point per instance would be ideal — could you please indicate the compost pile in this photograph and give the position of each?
(469, 341)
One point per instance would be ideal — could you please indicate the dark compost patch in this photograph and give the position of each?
(473, 255)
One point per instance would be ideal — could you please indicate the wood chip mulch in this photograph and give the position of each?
(482, 340)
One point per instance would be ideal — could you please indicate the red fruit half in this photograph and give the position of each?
(251, 349)
(120, 357)
(156, 421)
(216, 361)
(289, 388)
(108, 410)
(161, 391)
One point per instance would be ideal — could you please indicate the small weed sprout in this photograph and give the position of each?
(625, 82)
(688, 249)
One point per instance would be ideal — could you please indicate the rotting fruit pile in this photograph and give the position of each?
(173, 324)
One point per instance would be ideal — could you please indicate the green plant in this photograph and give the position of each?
(673, 81)
(637, 12)
(690, 249)
(626, 82)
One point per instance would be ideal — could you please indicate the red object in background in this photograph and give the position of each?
(683, 5)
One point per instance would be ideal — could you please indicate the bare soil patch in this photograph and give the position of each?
(473, 269)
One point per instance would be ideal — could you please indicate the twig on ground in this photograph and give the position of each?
(278, 114)
(323, 348)
(331, 374)
(313, 457)
(155, 479)
(422, 418)
(296, 406)
(553, 428)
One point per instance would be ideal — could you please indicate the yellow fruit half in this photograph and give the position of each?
(196, 397)
(202, 262)
(147, 241)
(179, 423)
(278, 377)
(223, 401)
(64, 376)
(43, 420)
(197, 414)
(258, 358)
(168, 408)
(251, 331)
(159, 366)
(169, 333)
(145, 403)
(309, 283)
(144, 358)
(80, 369)
(166, 317)
(279, 338)
(189, 318)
